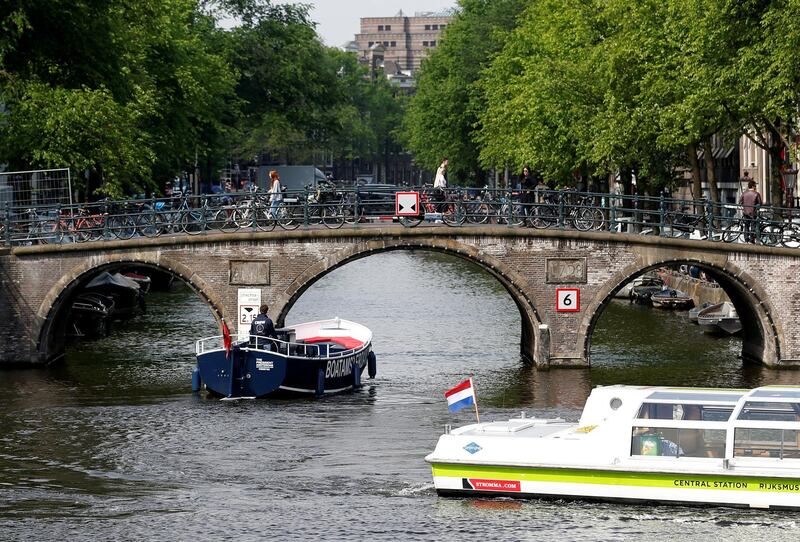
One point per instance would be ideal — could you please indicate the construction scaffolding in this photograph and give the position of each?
(35, 188)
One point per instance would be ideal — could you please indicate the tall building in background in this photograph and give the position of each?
(400, 43)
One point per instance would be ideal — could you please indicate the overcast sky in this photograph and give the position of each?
(338, 20)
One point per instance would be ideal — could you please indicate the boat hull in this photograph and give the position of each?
(250, 372)
(616, 485)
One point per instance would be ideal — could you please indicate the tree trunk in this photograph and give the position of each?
(711, 178)
(697, 179)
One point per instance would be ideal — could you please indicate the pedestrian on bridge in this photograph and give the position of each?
(750, 200)
(275, 193)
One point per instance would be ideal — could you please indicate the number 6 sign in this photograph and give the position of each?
(568, 300)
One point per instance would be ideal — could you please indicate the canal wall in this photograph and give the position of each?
(702, 291)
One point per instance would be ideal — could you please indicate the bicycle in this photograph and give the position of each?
(762, 229)
(436, 205)
(583, 214)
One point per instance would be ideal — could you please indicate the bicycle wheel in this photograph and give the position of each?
(264, 219)
(791, 235)
(585, 218)
(333, 216)
(544, 217)
(243, 215)
(453, 214)
(123, 227)
(477, 213)
(771, 235)
(192, 222)
(286, 217)
(82, 231)
(732, 231)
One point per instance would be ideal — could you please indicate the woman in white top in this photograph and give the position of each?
(440, 181)
(275, 193)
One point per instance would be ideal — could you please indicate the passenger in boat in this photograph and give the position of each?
(262, 328)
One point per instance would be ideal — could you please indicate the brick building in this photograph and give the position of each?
(405, 40)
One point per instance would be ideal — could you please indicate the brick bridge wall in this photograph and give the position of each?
(37, 283)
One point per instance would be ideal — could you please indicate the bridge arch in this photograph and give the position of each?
(532, 346)
(51, 315)
(762, 334)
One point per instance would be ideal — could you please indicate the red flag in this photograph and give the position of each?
(226, 339)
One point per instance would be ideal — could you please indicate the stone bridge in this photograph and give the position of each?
(38, 283)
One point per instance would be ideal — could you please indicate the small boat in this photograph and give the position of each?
(720, 318)
(126, 293)
(142, 280)
(641, 294)
(89, 316)
(693, 312)
(670, 298)
(642, 280)
(728, 447)
(313, 358)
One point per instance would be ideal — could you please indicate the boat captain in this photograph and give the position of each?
(262, 328)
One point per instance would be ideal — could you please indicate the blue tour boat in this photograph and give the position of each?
(313, 358)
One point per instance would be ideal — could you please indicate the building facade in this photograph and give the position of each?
(405, 40)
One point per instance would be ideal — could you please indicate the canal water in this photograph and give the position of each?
(112, 445)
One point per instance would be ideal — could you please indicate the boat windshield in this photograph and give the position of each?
(682, 411)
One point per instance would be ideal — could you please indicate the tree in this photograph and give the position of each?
(124, 90)
(443, 116)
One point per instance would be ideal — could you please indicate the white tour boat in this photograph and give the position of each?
(635, 443)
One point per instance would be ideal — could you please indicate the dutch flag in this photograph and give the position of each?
(461, 396)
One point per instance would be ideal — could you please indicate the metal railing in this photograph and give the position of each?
(277, 346)
(332, 207)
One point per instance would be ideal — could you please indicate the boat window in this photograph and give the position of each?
(775, 443)
(678, 442)
(680, 411)
(774, 412)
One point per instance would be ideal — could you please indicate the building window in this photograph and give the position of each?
(386, 44)
(427, 27)
(434, 27)
(380, 28)
(424, 43)
(442, 26)
(393, 44)
(370, 44)
(433, 43)
(388, 27)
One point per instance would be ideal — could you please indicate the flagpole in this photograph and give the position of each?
(475, 397)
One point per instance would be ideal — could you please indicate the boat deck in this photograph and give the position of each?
(517, 428)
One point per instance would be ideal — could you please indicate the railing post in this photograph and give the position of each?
(203, 211)
(638, 223)
(154, 231)
(661, 217)
(104, 213)
(612, 215)
(757, 221)
(305, 207)
(57, 229)
(709, 219)
(356, 218)
(510, 209)
(561, 210)
(8, 224)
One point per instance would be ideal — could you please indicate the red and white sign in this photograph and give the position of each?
(495, 485)
(406, 203)
(568, 299)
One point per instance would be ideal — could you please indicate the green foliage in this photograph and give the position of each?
(443, 116)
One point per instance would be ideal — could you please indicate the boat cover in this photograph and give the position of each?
(347, 342)
(104, 280)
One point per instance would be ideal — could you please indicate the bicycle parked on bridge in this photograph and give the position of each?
(438, 205)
